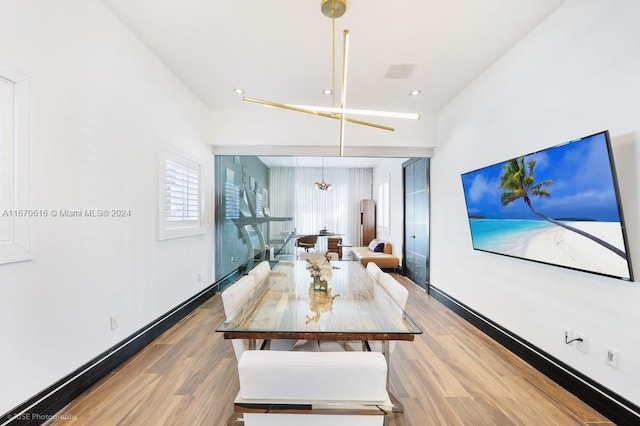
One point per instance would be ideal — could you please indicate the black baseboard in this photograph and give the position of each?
(44, 406)
(611, 405)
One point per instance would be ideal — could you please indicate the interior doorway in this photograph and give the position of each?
(416, 220)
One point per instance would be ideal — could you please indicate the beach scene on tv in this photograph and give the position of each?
(556, 206)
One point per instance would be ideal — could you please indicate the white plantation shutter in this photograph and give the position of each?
(181, 197)
(182, 190)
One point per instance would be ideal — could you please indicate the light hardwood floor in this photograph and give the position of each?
(452, 374)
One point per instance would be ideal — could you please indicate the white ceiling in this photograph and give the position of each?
(280, 50)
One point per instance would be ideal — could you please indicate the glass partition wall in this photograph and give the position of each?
(263, 205)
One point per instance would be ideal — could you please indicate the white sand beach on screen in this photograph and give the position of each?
(562, 246)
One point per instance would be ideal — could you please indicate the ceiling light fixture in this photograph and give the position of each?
(327, 91)
(415, 92)
(334, 9)
(238, 91)
(407, 115)
(323, 186)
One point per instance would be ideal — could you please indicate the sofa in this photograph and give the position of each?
(379, 252)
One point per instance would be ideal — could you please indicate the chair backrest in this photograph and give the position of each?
(398, 292)
(232, 298)
(261, 271)
(308, 239)
(334, 255)
(374, 270)
(246, 282)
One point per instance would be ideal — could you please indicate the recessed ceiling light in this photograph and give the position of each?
(238, 91)
(415, 92)
(327, 91)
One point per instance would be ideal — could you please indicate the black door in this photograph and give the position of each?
(416, 220)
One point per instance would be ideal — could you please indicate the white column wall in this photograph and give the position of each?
(574, 75)
(101, 105)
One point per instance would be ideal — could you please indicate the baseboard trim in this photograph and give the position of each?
(613, 406)
(44, 406)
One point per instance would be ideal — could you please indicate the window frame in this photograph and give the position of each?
(20, 246)
(384, 206)
(172, 228)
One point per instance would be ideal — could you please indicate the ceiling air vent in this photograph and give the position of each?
(399, 71)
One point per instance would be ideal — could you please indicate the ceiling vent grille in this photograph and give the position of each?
(399, 71)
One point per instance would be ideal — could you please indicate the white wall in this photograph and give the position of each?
(256, 125)
(392, 168)
(102, 104)
(574, 75)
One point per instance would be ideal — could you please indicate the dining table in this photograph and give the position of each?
(352, 307)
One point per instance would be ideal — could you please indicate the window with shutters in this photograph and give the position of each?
(15, 215)
(383, 214)
(181, 197)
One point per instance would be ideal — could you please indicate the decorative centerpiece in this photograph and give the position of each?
(321, 271)
(320, 302)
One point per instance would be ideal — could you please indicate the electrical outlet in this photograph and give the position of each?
(199, 276)
(582, 345)
(567, 334)
(232, 259)
(115, 323)
(612, 358)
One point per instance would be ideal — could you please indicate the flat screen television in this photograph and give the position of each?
(559, 206)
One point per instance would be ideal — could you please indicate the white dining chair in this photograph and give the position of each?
(398, 293)
(233, 296)
(374, 270)
(246, 282)
(261, 271)
(400, 296)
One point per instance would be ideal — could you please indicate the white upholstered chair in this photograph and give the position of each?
(287, 377)
(398, 293)
(233, 296)
(261, 271)
(374, 270)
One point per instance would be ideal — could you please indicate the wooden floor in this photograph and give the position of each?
(450, 375)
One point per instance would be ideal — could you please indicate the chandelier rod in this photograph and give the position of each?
(343, 91)
(333, 53)
(314, 112)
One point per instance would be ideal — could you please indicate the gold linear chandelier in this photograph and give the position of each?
(334, 9)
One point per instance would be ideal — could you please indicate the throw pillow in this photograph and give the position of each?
(379, 248)
(373, 244)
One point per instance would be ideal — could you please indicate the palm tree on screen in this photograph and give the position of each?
(518, 181)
